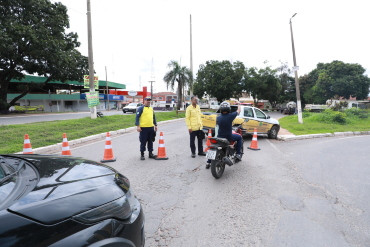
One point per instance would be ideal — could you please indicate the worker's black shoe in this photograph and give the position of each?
(142, 156)
(193, 155)
(152, 156)
(202, 154)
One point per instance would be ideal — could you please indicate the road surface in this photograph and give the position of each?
(312, 192)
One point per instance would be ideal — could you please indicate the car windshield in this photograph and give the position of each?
(132, 104)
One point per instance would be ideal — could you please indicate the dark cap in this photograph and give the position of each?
(148, 99)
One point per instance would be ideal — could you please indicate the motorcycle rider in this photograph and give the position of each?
(224, 122)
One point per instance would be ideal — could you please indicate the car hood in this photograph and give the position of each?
(67, 186)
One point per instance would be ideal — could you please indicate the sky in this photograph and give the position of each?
(136, 40)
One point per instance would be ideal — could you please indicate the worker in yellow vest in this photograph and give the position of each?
(195, 126)
(147, 127)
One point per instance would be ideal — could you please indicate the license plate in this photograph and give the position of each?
(211, 154)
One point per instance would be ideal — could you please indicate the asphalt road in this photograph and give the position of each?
(300, 193)
(42, 117)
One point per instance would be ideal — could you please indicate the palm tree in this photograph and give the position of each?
(182, 76)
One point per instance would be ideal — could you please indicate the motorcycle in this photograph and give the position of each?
(222, 153)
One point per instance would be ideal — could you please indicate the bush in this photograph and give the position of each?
(329, 116)
(357, 113)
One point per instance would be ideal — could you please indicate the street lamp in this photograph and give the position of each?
(295, 68)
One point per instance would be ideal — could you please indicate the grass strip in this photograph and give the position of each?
(317, 123)
(49, 133)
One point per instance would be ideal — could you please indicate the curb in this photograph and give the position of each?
(311, 136)
(101, 136)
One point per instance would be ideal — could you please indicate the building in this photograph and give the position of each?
(164, 100)
(56, 96)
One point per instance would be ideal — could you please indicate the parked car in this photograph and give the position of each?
(249, 118)
(66, 201)
(132, 107)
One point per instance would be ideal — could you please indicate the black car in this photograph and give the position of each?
(66, 201)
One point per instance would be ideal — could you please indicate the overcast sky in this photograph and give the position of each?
(137, 39)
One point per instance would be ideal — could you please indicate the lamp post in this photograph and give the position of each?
(295, 68)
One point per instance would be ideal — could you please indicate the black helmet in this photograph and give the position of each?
(225, 107)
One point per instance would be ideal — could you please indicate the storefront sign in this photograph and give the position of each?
(87, 82)
(92, 99)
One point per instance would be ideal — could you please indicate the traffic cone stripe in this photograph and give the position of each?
(65, 148)
(26, 141)
(161, 145)
(27, 150)
(108, 146)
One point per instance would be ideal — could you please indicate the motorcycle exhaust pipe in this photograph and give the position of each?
(227, 161)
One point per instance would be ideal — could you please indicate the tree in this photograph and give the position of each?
(263, 84)
(33, 41)
(220, 79)
(287, 84)
(334, 80)
(181, 75)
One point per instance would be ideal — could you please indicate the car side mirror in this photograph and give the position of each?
(268, 117)
(246, 120)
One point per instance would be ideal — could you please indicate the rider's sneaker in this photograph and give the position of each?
(208, 166)
(238, 157)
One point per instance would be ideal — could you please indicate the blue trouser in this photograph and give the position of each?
(238, 139)
(197, 134)
(146, 136)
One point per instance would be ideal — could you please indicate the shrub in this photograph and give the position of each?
(357, 113)
(329, 116)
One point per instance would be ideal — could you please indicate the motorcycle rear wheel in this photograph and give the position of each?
(217, 168)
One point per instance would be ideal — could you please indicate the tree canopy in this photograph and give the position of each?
(334, 80)
(219, 79)
(33, 41)
(181, 76)
(263, 84)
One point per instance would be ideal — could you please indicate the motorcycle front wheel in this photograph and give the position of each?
(217, 168)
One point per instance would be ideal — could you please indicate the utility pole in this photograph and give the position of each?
(191, 58)
(106, 84)
(91, 59)
(299, 107)
(151, 88)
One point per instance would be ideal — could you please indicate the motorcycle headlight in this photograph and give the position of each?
(120, 209)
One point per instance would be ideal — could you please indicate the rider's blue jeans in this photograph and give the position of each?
(237, 138)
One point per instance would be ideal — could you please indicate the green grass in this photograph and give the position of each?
(49, 133)
(327, 122)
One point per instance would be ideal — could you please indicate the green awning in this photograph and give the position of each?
(40, 79)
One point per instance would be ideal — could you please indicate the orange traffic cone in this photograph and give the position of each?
(254, 143)
(161, 149)
(27, 149)
(108, 151)
(65, 146)
(208, 143)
